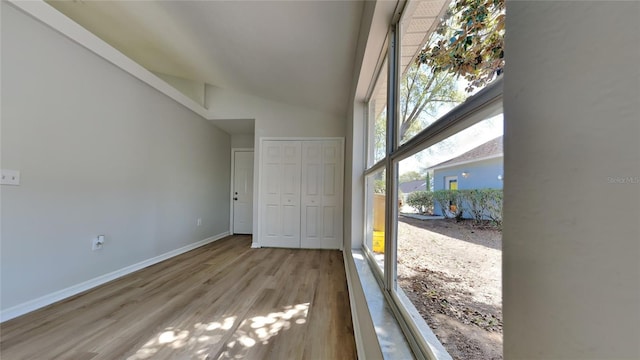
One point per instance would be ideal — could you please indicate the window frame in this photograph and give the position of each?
(368, 224)
(482, 105)
(369, 120)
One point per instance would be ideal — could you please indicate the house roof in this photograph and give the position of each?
(490, 149)
(414, 185)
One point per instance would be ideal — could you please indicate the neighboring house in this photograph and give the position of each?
(413, 185)
(407, 188)
(478, 168)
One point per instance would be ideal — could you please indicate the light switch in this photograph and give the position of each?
(10, 177)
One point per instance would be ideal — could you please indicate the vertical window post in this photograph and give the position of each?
(392, 170)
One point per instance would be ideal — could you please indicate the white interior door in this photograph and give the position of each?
(243, 192)
(280, 212)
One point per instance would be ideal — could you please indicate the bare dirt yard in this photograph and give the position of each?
(452, 271)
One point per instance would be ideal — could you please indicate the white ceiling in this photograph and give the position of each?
(296, 52)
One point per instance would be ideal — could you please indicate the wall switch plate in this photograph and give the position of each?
(10, 177)
(199, 222)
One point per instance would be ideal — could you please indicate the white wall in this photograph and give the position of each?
(572, 236)
(272, 119)
(376, 17)
(99, 153)
(354, 178)
(192, 89)
(242, 140)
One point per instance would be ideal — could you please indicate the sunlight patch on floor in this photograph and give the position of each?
(259, 329)
(197, 342)
(202, 334)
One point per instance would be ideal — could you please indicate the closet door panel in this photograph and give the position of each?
(329, 226)
(311, 194)
(272, 221)
(281, 194)
(331, 195)
(321, 194)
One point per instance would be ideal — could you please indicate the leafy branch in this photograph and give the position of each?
(469, 42)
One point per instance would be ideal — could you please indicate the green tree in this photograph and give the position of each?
(380, 134)
(421, 201)
(410, 176)
(469, 42)
(422, 92)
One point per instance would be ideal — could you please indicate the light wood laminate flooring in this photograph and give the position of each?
(221, 301)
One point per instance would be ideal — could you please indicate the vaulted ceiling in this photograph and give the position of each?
(296, 52)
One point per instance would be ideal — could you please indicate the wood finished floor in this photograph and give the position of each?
(221, 301)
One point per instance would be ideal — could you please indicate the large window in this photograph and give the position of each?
(449, 243)
(434, 190)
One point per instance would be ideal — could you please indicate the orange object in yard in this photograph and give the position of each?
(378, 212)
(378, 242)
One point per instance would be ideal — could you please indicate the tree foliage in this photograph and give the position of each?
(449, 202)
(410, 176)
(421, 201)
(477, 203)
(422, 92)
(380, 134)
(469, 42)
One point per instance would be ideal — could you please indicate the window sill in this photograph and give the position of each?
(390, 337)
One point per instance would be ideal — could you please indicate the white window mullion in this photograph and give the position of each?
(392, 170)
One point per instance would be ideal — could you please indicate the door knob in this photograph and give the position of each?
(235, 198)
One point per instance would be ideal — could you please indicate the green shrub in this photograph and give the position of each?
(494, 206)
(477, 202)
(481, 204)
(422, 201)
(450, 203)
(441, 198)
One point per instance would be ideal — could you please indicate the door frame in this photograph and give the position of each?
(233, 175)
(447, 182)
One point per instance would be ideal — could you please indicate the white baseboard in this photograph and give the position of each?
(357, 334)
(49, 299)
(255, 246)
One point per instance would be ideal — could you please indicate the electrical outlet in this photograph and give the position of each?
(199, 222)
(98, 243)
(10, 177)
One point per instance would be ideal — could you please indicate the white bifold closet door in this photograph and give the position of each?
(302, 194)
